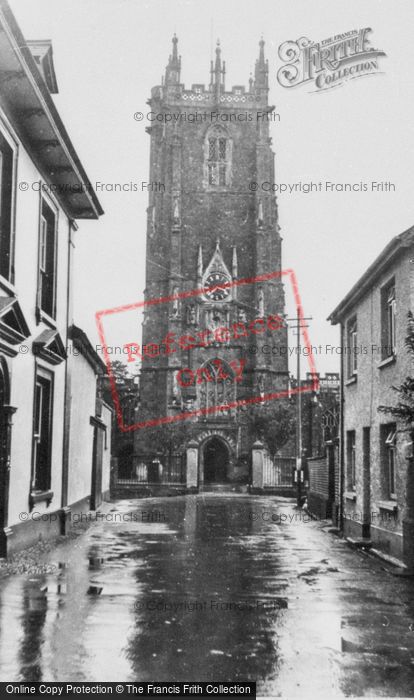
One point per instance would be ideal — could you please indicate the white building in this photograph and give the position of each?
(88, 427)
(43, 191)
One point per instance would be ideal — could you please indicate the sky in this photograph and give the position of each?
(109, 53)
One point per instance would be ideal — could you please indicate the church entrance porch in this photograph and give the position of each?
(216, 461)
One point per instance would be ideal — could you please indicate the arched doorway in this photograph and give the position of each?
(216, 461)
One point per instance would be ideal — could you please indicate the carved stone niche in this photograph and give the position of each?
(192, 314)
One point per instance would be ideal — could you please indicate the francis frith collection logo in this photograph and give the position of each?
(328, 63)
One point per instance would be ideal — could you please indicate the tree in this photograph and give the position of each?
(126, 388)
(127, 392)
(404, 409)
(273, 422)
(168, 438)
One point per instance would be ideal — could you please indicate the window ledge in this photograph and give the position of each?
(43, 316)
(40, 496)
(7, 286)
(350, 495)
(351, 380)
(391, 506)
(388, 361)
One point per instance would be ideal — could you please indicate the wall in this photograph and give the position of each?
(106, 465)
(319, 503)
(82, 407)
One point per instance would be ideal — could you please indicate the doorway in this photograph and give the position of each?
(216, 461)
(366, 482)
(5, 428)
(97, 457)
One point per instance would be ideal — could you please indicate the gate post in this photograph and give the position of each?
(192, 465)
(257, 465)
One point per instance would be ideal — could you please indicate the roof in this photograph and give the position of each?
(82, 343)
(42, 53)
(380, 264)
(25, 94)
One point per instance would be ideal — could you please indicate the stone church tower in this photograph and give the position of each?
(208, 227)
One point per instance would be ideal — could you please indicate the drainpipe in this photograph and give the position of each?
(65, 510)
(341, 433)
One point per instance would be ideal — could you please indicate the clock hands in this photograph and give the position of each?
(217, 287)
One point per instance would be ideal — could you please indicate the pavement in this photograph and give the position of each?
(210, 587)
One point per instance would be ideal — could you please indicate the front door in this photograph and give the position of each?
(366, 482)
(97, 457)
(216, 460)
(5, 428)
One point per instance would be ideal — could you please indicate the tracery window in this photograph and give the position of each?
(218, 149)
(216, 387)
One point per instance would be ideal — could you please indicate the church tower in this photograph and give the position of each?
(210, 225)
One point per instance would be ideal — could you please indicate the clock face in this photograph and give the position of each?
(217, 282)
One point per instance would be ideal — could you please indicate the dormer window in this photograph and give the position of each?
(217, 158)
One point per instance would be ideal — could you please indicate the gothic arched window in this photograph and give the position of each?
(217, 157)
(216, 387)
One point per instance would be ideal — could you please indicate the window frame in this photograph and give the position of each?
(209, 378)
(352, 344)
(218, 150)
(388, 320)
(5, 136)
(40, 482)
(351, 460)
(47, 312)
(42, 244)
(390, 444)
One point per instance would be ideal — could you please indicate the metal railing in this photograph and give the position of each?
(278, 472)
(155, 470)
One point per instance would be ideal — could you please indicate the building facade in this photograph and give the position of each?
(44, 190)
(320, 440)
(376, 455)
(87, 428)
(208, 229)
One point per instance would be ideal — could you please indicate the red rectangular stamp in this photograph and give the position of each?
(214, 353)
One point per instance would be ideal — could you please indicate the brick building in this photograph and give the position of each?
(208, 228)
(377, 497)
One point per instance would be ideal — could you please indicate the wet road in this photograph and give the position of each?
(211, 587)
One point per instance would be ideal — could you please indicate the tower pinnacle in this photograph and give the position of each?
(261, 69)
(217, 72)
(173, 69)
